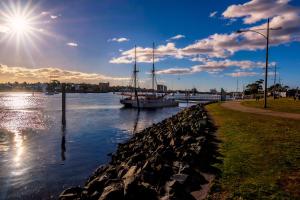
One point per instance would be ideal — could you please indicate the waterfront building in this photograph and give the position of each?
(161, 88)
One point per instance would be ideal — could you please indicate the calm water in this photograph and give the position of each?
(38, 158)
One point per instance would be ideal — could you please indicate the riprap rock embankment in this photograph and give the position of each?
(164, 161)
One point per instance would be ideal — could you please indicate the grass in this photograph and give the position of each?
(260, 154)
(281, 105)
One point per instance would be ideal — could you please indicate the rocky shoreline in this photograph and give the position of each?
(168, 160)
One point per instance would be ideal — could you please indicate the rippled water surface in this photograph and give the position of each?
(38, 158)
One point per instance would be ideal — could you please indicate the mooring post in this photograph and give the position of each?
(63, 104)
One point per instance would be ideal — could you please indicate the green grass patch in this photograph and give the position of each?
(281, 105)
(259, 155)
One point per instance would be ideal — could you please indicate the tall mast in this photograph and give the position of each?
(153, 69)
(135, 71)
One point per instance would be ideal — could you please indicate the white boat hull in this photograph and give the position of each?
(149, 103)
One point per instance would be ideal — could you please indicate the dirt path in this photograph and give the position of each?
(236, 105)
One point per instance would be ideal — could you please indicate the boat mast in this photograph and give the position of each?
(153, 69)
(135, 71)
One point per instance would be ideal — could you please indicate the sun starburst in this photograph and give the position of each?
(20, 23)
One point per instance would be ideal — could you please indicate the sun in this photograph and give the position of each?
(20, 20)
(19, 24)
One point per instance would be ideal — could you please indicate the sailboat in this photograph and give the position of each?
(148, 100)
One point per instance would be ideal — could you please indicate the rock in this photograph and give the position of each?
(113, 192)
(68, 196)
(94, 196)
(137, 157)
(71, 193)
(150, 176)
(96, 185)
(168, 154)
(136, 191)
(130, 172)
(180, 178)
(146, 165)
(176, 191)
(196, 148)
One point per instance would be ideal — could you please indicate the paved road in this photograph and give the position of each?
(236, 105)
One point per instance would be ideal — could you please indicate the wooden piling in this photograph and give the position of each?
(63, 104)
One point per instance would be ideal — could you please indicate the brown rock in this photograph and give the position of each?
(113, 192)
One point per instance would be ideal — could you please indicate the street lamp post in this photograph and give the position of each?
(267, 65)
(267, 53)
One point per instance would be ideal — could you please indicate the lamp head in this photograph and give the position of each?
(277, 28)
(239, 31)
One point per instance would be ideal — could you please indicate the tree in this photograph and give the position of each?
(254, 88)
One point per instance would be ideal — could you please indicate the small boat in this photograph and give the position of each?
(148, 100)
(49, 93)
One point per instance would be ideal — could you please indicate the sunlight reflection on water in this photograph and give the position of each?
(38, 158)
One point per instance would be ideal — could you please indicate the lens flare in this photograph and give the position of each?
(19, 24)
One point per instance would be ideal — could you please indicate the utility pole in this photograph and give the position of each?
(267, 53)
(237, 85)
(274, 86)
(267, 65)
(275, 74)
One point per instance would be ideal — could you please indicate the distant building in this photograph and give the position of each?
(162, 88)
(104, 87)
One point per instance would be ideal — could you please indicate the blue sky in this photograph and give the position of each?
(92, 41)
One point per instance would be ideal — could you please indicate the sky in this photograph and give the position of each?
(196, 44)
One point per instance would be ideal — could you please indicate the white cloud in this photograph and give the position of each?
(53, 16)
(144, 55)
(72, 44)
(50, 15)
(11, 74)
(213, 14)
(256, 10)
(242, 74)
(176, 37)
(213, 66)
(121, 39)
(175, 71)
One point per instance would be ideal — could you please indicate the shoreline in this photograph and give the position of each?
(170, 159)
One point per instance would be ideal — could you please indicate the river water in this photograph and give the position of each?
(39, 158)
